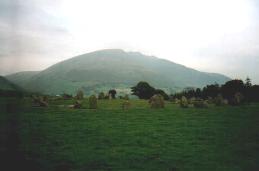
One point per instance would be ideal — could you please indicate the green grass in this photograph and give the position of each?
(109, 138)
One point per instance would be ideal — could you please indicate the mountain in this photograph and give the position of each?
(6, 85)
(113, 68)
(22, 78)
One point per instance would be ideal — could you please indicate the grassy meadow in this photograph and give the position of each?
(112, 139)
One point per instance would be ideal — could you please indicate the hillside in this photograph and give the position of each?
(101, 70)
(7, 85)
(22, 78)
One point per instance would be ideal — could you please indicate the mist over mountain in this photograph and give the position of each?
(113, 68)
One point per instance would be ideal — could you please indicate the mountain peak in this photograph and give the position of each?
(115, 68)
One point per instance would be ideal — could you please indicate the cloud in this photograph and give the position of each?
(25, 28)
(209, 35)
(30, 36)
(237, 55)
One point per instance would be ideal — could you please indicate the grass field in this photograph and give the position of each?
(109, 138)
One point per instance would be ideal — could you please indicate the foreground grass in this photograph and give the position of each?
(109, 138)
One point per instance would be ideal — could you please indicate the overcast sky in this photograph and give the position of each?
(209, 35)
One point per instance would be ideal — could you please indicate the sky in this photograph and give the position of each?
(220, 36)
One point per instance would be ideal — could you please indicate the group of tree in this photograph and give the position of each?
(144, 91)
(231, 90)
(110, 95)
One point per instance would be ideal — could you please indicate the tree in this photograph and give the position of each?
(189, 92)
(143, 90)
(248, 93)
(79, 95)
(162, 93)
(101, 95)
(254, 95)
(211, 91)
(248, 82)
(230, 88)
(198, 93)
(232, 92)
(112, 93)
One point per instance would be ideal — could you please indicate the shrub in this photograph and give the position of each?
(199, 103)
(79, 95)
(101, 95)
(92, 102)
(184, 102)
(157, 101)
(126, 105)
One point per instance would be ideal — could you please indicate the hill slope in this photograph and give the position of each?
(22, 78)
(114, 68)
(7, 85)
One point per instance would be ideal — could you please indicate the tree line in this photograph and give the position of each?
(231, 90)
(249, 92)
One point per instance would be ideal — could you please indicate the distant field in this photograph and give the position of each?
(109, 138)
